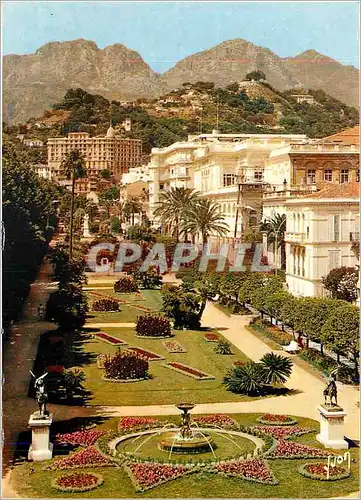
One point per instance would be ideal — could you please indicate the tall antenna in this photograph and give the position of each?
(217, 123)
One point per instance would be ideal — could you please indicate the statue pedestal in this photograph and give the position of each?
(331, 431)
(41, 448)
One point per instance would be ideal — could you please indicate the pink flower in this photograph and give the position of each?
(254, 469)
(148, 475)
(279, 432)
(89, 457)
(83, 438)
(290, 449)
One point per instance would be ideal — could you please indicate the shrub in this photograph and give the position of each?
(246, 379)
(73, 380)
(149, 280)
(265, 328)
(125, 284)
(276, 368)
(153, 326)
(103, 305)
(223, 347)
(126, 365)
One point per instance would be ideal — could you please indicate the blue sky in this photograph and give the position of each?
(165, 32)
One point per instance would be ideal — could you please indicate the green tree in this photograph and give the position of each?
(173, 207)
(275, 229)
(204, 217)
(109, 198)
(72, 167)
(340, 333)
(132, 206)
(182, 306)
(246, 379)
(275, 368)
(233, 87)
(275, 302)
(342, 283)
(256, 76)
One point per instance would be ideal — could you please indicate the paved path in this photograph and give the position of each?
(110, 325)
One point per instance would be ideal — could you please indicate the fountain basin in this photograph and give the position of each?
(197, 443)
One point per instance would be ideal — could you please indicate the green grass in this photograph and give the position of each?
(118, 485)
(166, 386)
(125, 315)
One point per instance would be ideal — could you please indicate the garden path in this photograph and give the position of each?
(110, 325)
(307, 388)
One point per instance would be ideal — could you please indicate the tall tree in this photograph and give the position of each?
(173, 207)
(275, 229)
(131, 207)
(73, 168)
(204, 217)
(109, 198)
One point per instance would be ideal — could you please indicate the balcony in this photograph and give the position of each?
(293, 237)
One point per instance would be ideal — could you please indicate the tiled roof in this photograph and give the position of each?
(348, 136)
(345, 190)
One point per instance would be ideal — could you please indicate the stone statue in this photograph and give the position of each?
(331, 390)
(41, 394)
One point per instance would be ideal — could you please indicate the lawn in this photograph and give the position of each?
(31, 480)
(166, 386)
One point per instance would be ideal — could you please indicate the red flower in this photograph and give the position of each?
(151, 356)
(188, 370)
(55, 369)
(132, 423)
(212, 337)
(254, 469)
(290, 449)
(83, 438)
(280, 432)
(78, 482)
(148, 475)
(217, 420)
(109, 338)
(89, 457)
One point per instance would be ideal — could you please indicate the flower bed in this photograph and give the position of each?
(130, 424)
(189, 371)
(145, 476)
(125, 284)
(82, 438)
(101, 359)
(273, 419)
(290, 449)
(152, 325)
(254, 469)
(105, 337)
(216, 420)
(79, 481)
(89, 457)
(149, 355)
(318, 471)
(126, 365)
(211, 337)
(105, 305)
(173, 346)
(281, 432)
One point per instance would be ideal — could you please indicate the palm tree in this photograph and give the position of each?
(173, 206)
(275, 368)
(73, 167)
(246, 379)
(204, 217)
(275, 229)
(131, 207)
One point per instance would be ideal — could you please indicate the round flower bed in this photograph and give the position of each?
(126, 366)
(78, 482)
(153, 326)
(318, 471)
(105, 305)
(272, 419)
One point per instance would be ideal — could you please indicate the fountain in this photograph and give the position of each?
(212, 443)
(185, 439)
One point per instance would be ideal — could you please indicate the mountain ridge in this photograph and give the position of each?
(32, 82)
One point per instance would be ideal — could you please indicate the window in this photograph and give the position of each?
(311, 176)
(229, 180)
(258, 175)
(336, 227)
(358, 175)
(327, 176)
(344, 175)
(161, 187)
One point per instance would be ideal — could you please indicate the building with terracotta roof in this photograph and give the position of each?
(348, 136)
(321, 228)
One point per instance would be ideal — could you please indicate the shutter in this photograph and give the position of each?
(331, 233)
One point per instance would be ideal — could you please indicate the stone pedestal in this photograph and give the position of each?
(41, 448)
(332, 427)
